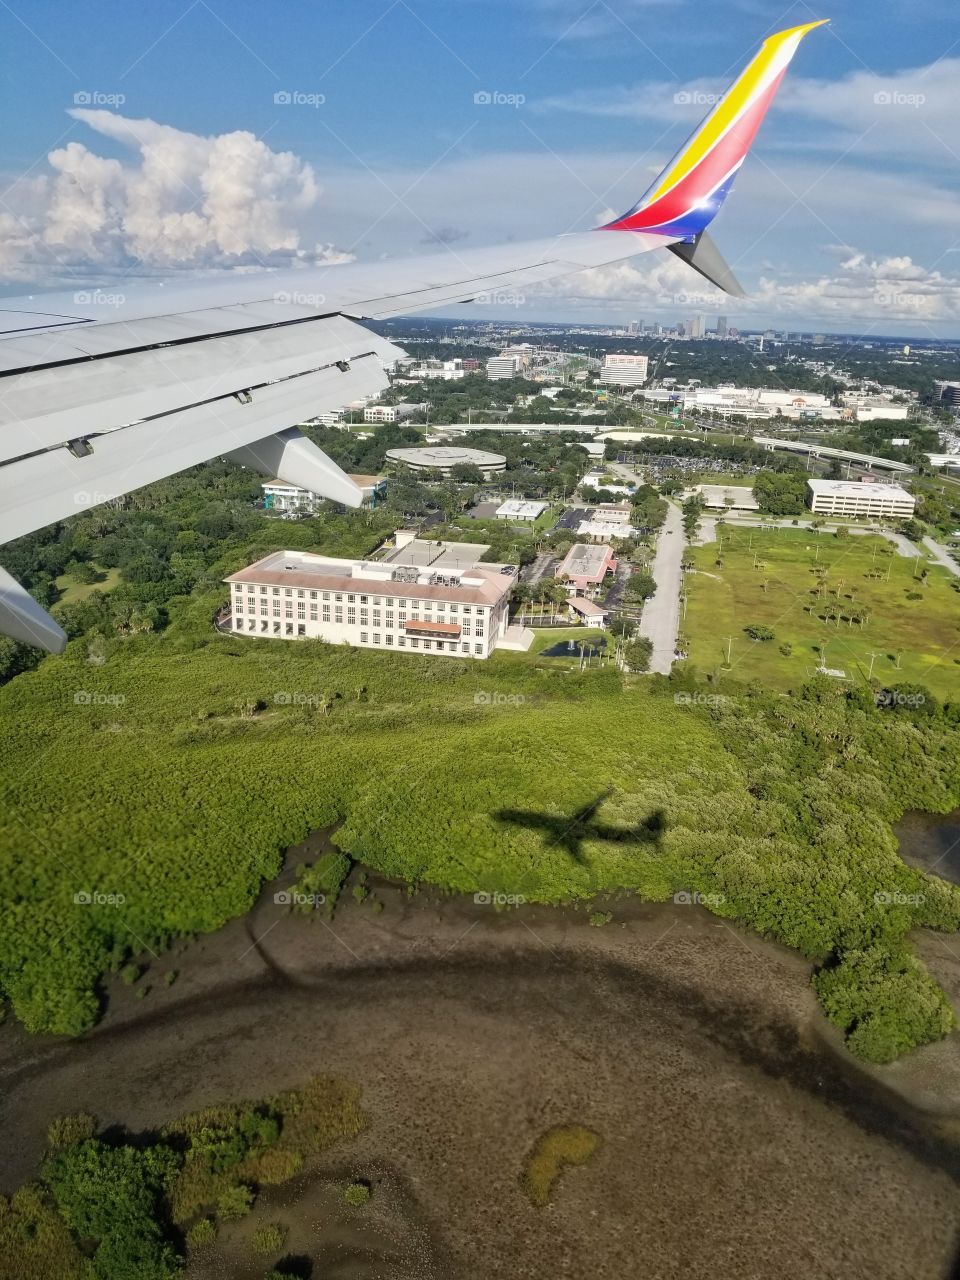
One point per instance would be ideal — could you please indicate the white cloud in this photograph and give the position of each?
(910, 113)
(185, 201)
(882, 293)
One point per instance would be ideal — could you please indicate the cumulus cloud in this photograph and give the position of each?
(183, 201)
(877, 291)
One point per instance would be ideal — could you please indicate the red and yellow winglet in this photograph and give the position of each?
(686, 197)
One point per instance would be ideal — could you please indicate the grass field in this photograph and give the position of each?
(73, 592)
(771, 578)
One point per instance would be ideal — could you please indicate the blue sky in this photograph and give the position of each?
(847, 215)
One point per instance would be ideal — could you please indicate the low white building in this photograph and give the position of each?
(857, 498)
(516, 509)
(444, 458)
(391, 412)
(432, 597)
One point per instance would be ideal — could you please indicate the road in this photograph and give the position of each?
(942, 556)
(661, 614)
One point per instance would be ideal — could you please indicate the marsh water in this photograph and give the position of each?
(931, 841)
(738, 1139)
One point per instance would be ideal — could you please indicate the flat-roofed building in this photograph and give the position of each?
(624, 371)
(444, 458)
(585, 568)
(516, 509)
(855, 498)
(391, 412)
(433, 597)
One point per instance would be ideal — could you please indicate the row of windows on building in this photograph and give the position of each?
(468, 627)
(449, 646)
(351, 598)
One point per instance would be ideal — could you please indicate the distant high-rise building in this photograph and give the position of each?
(721, 326)
(696, 327)
(633, 328)
(624, 371)
(819, 339)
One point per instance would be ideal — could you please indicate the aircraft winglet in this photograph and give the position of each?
(687, 195)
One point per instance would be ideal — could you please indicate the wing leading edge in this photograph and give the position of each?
(103, 393)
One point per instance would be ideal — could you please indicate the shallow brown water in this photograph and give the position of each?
(737, 1140)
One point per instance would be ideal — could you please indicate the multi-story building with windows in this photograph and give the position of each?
(624, 371)
(431, 597)
(857, 498)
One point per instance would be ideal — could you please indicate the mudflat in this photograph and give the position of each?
(737, 1139)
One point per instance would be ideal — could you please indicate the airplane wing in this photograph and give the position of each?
(102, 393)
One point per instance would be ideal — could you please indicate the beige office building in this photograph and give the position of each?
(860, 498)
(426, 596)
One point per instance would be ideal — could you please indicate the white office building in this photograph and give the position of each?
(391, 412)
(624, 371)
(427, 597)
(502, 366)
(859, 498)
(517, 509)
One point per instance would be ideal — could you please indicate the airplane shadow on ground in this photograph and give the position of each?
(568, 831)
